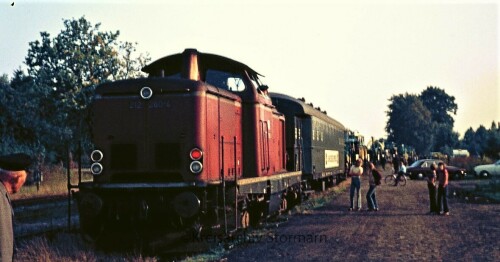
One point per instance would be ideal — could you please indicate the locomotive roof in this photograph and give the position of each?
(307, 109)
(173, 63)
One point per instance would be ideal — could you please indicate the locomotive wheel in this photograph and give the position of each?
(292, 198)
(284, 205)
(245, 219)
(256, 213)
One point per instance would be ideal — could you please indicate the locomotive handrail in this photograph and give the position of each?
(151, 185)
(251, 180)
(223, 185)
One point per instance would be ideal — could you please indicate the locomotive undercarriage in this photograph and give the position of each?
(119, 218)
(154, 218)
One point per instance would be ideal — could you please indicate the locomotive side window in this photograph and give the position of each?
(225, 80)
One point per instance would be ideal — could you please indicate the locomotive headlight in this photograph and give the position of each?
(146, 92)
(96, 155)
(196, 167)
(96, 169)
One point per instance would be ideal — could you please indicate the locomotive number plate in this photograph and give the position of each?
(150, 105)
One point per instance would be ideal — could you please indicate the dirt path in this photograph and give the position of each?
(401, 231)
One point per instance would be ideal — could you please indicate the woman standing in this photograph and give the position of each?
(431, 185)
(442, 201)
(355, 173)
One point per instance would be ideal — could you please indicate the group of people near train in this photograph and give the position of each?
(437, 183)
(374, 177)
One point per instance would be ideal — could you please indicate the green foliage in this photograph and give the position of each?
(409, 122)
(47, 109)
(440, 104)
(483, 142)
(424, 121)
(18, 119)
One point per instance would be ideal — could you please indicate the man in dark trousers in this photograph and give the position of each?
(12, 177)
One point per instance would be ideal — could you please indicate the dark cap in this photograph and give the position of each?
(15, 162)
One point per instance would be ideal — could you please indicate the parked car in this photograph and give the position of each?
(486, 171)
(421, 168)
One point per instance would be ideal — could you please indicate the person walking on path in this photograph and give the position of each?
(12, 178)
(355, 173)
(431, 185)
(374, 179)
(442, 195)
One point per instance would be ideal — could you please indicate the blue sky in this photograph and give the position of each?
(348, 57)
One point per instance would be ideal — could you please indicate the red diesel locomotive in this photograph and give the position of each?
(200, 146)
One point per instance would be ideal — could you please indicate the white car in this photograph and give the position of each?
(488, 170)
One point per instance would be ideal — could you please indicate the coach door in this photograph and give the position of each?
(264, 152)
(298, 145)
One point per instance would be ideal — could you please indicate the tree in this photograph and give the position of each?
(20, 115)
(492, 145)
(440, 104)
(469, 142)
(483, 142)
(445, 139)
(409, 122)
(481, 138)
(432, 129)
(63, 72)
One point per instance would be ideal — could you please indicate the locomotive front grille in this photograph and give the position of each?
(168, 156)
(146, 177)
(123, 157)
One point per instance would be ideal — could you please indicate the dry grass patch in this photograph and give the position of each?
(68, 247)
(55, 183)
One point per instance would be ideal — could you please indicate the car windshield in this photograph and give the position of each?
(417, 163)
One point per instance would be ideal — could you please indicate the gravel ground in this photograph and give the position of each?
(401, 231)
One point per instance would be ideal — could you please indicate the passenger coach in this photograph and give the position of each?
(314, 141)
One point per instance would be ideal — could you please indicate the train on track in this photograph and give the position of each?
(201, 145)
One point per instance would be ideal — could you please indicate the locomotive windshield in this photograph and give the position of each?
(225, 80)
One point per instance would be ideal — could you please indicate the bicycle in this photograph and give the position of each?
(391, 180)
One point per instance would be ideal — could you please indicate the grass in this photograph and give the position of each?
(54, 183)
(490, 190)
(484, 190)
(68, 247)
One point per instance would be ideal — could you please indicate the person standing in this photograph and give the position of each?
(355, 173)
(374, 179)
(12, 178)
(431, 185)
(383, 160)
(442, 194)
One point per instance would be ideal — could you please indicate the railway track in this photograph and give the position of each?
(42, 215)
